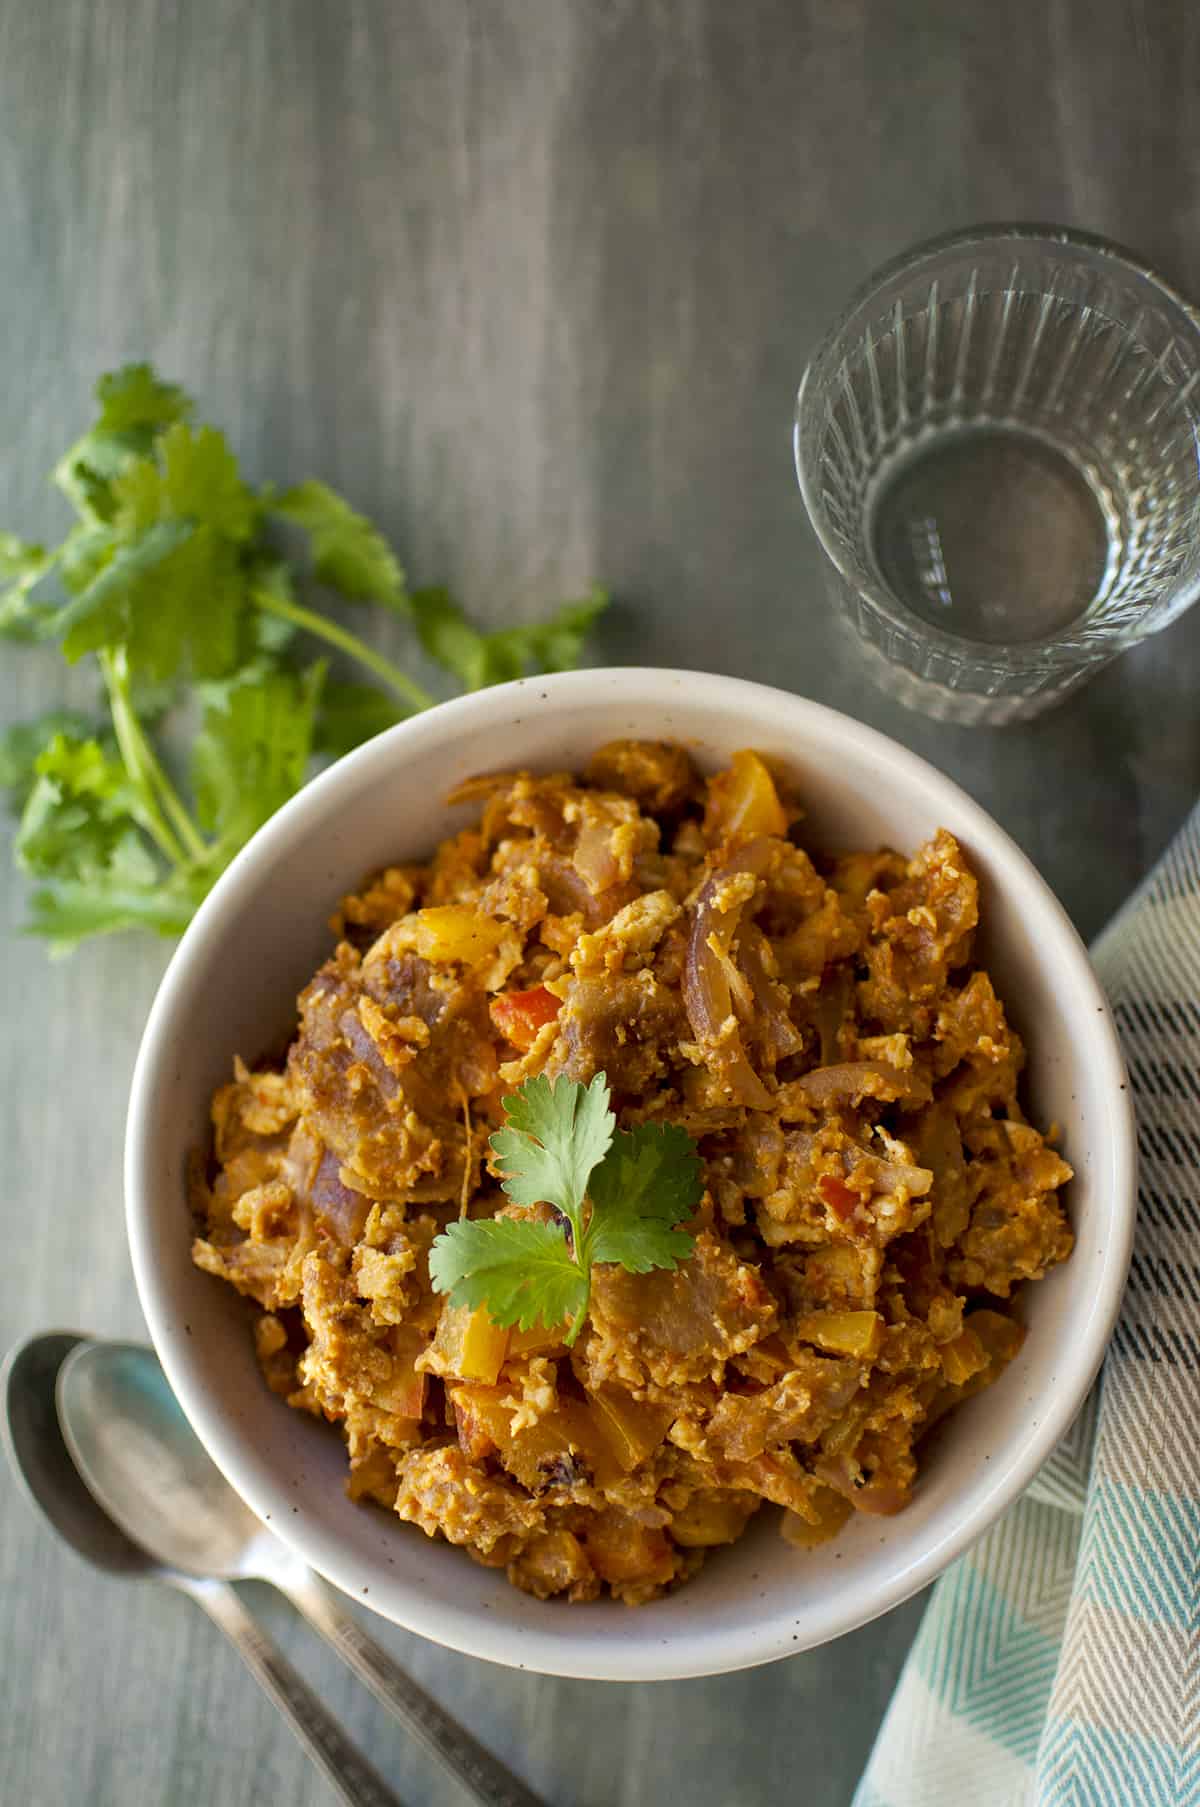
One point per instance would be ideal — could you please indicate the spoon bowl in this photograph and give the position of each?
(149, 1471)
(42, 1463)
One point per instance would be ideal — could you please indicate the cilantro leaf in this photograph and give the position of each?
(66, 912)
(621, 1196)
(649, 1182)
(478, 659)
(100, 615)
(135, 405)
(85, 474)
(192, 476)
(166, 581)
(348, 553)
(88, 547)
(252, 751)
(186, 616)
(21, 744)
(22, 568)
(522, 1272)
(351, 714)
(448, 637)
(134, 397)
(21, 562)
(83, 834)
(82, 816)
(556, 644)
(556, 1133)
(172, 597)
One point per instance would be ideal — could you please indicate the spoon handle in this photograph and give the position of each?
(325, 1740)
(476, 1768)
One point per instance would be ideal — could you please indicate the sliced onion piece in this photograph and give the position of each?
(707, 994)
(775, 1028)
(852, 1080)
(593, 858)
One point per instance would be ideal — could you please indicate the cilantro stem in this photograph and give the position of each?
(153, 820)
(189, 834)
(580, 1317)
(176, 809)
(398, 681)
(581, 1250)
(181, 843)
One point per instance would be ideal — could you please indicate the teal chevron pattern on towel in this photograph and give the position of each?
(1058, 1662)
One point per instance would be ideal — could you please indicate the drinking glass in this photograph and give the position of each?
(997, 445)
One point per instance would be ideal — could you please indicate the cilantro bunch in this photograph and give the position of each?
(175, 585)
(617, 1194)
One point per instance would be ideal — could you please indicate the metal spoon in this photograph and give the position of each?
(145, 1466)
(39, 1455)
(168, 1513)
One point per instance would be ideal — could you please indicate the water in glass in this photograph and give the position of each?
(992, 533)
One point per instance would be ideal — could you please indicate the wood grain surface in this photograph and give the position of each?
(533, 282)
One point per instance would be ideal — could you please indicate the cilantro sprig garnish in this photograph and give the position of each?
(619, 1195)
(178, 586)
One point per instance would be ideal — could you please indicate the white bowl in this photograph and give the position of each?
(232, 987)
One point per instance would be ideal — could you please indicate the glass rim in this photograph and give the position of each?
(1056, 650)
(1030, 233)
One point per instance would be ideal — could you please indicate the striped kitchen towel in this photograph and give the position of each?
(1058, 1663)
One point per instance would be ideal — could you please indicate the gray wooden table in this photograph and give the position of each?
(533, 283)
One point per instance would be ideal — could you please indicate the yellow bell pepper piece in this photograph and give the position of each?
(743, 802)
(469, 1344)
(857, 1333)
(448, 932)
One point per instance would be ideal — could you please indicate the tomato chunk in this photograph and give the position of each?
(519, 1015)
(841, 1199)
